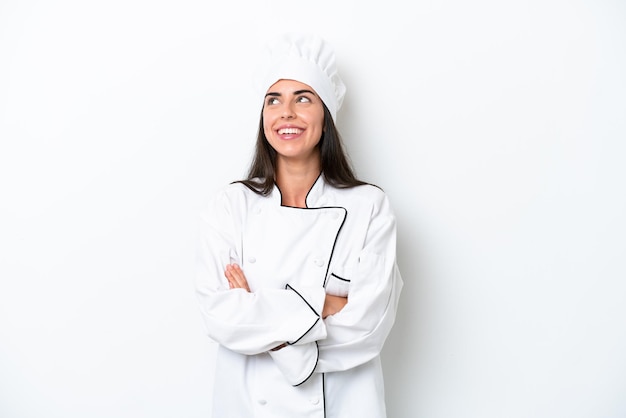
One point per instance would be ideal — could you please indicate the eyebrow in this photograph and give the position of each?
(295, 93)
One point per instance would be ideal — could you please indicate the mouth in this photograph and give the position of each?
(290, 131)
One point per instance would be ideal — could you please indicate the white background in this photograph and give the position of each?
(497, 128)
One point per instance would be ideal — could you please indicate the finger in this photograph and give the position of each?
(232, 281)
(240, 277)
(235, 276)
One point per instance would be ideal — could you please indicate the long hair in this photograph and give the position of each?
(335, 165)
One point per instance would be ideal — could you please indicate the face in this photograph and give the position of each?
(293, 120)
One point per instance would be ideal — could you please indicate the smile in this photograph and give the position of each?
(290, 131)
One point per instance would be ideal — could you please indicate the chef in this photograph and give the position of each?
(297, 278)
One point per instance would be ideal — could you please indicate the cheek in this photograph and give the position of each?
(267, 123)
(319, 118)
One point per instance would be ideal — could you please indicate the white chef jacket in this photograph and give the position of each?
(343, 243)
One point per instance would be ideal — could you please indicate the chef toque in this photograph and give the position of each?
(306, 58)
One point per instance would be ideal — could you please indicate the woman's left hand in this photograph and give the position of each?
(236, 278)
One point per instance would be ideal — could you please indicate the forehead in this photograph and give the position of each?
(285, 86)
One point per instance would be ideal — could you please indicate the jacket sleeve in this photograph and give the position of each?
(357, 333)
(244, 322)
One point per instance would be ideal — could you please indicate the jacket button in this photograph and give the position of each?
(318, 262)
(314, 401)
(262, 401)
(251, 260)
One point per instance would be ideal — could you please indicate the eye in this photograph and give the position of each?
(272, 101)
(303, 99)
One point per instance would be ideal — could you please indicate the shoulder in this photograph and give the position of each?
(366, 197)
(235, 190)
(232, 196)
(363, 193)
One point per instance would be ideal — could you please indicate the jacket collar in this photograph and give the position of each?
(315, 197)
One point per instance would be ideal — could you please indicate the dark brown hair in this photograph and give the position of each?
(336, 167)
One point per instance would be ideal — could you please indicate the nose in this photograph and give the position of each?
(288, 111)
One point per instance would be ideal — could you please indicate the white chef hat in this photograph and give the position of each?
(306, 58)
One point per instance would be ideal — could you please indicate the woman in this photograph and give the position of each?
(297, 277)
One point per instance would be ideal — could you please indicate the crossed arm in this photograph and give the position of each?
(237, 280)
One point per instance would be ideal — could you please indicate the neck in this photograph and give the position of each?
(295, 181)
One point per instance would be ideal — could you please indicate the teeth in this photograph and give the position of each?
(289, 131)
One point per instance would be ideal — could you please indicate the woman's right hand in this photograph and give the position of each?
(333, 304)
